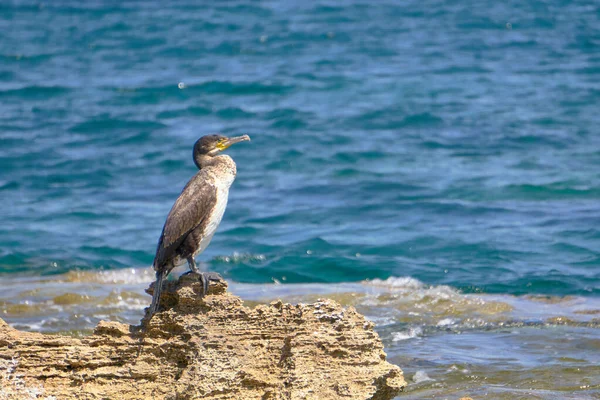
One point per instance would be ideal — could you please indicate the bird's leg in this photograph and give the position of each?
(192, 264)
(195, 270)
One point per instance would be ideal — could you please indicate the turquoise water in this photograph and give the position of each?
(450, 143)
(428, 138)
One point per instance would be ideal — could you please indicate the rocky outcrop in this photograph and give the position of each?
(210, 347)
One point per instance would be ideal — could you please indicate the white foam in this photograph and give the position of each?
(128, 275)
(404, 282)
(447, 322)
(241, 257)
(405, 335)
(421, 376)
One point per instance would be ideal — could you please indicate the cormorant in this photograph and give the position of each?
(197, 212)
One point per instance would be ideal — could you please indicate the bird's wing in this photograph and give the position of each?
(195, 203)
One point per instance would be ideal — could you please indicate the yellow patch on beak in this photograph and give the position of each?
(223, 144)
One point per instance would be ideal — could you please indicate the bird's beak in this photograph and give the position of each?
(234, 140)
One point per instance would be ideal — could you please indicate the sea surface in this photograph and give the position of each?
(435, 164)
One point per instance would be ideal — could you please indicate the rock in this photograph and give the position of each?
(209, 347)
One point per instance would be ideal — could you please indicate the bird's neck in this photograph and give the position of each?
(222, 161)
(203, 160)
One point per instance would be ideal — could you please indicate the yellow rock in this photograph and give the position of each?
(210, 347)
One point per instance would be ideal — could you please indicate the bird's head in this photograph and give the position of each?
(211, 145)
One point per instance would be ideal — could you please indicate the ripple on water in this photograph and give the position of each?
(34, 92)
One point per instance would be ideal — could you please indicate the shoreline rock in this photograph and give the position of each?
(210, 347)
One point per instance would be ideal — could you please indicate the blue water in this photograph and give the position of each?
(454, 143)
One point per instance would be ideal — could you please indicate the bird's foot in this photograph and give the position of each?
(205, 278)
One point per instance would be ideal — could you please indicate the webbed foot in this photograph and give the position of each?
(205, 278)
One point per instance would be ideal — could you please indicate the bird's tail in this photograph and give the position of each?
(160, 276)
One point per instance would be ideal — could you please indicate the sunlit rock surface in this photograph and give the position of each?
(210, 347)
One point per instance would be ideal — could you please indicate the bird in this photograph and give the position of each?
(197, 212)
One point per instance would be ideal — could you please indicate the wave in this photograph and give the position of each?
(107, 124)
(35, 92)
(393, 118)
(408, 307)
(159, 94)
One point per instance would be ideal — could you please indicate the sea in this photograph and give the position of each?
(434, 164)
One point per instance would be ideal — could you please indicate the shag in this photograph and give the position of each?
(197, 212)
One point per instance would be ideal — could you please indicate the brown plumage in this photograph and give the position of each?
(187, 219)
(197, 212)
